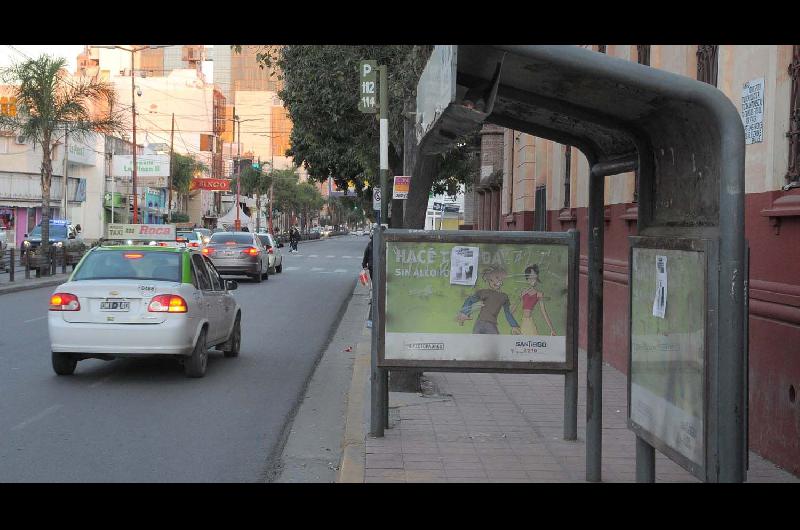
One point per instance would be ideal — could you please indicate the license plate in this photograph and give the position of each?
(115, 305)
(228, 253)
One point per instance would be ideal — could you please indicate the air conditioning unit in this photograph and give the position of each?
(19, 140)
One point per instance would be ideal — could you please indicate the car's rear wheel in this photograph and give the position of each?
(266, 272)
(64, 363)
(235, 340)
(258, 276)
(195, 365)
(279, 268)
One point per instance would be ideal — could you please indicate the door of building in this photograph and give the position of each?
(540, 209)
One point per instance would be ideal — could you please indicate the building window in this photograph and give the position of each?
(643, 54)
(602, 48)
(567, 174)
(793, 175)
(707, 63)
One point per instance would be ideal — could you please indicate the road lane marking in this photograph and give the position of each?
(330, 256)
(291, 268)
(340, 270)
(316, 269)
(37, 417)
(313, 256)
(34, 319)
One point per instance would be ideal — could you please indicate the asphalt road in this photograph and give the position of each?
(142, 420)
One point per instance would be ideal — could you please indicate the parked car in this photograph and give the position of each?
(62, 234)
(137, 300)
(238, 253)
(273, 249)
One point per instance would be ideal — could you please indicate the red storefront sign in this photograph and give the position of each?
(211, 184)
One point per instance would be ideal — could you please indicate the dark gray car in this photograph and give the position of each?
(238, 253)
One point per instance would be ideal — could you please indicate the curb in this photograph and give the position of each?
(28, 286)
(353, 465)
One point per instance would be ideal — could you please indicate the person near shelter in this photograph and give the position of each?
(490, 301)
(366, 263)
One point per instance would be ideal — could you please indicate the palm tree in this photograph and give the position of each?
(48, 106)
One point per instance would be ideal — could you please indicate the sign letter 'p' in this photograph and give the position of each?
(366, 69)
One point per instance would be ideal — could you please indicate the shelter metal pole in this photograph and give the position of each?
(645, 461)
(571, 377)
(377, 392)
(594, 335)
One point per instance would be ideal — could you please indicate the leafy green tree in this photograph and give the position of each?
(184, 169)
(309, 202)
(51, 105)
(331, 137)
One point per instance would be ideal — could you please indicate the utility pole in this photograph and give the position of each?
(238, 223)
(66, 168)
(169, 184)
(271, 186)
(133, 107)
(258, 198)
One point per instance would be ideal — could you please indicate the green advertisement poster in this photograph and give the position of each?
(476, 301)
(668, 347)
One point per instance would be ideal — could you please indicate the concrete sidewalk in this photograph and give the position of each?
(507, 428)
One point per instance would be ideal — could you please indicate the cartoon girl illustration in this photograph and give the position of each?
(530, 298)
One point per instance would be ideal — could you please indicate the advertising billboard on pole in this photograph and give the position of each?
(479, 303)
(668, 348)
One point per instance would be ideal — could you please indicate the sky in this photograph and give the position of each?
(11, 53)
(70, 52)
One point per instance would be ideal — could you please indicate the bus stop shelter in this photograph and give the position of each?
(684, 138)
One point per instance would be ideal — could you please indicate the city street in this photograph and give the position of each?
(137, 420)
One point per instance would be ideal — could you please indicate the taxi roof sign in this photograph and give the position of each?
(143, 232)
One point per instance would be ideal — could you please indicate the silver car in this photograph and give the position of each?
(238, 253)
(273, 248)
(139, 301)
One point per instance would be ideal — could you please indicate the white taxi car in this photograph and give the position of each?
(142, 300)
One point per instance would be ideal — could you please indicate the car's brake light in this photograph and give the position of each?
(167, 303)
(251, 251)
(194, 244)
(64, 302)
(208, 251)
(131, 255)
(231, 243)
(269, 250)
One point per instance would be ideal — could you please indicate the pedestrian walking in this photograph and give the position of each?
(294, 238)
(366, 263)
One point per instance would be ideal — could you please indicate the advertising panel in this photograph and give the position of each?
(668, 304)
(401, 187)
(210, 184)
(146, 166)
(476, 302)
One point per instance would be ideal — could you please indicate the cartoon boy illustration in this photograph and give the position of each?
(490, 302)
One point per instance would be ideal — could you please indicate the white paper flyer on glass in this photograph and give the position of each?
(660, 301)
(464, 265)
